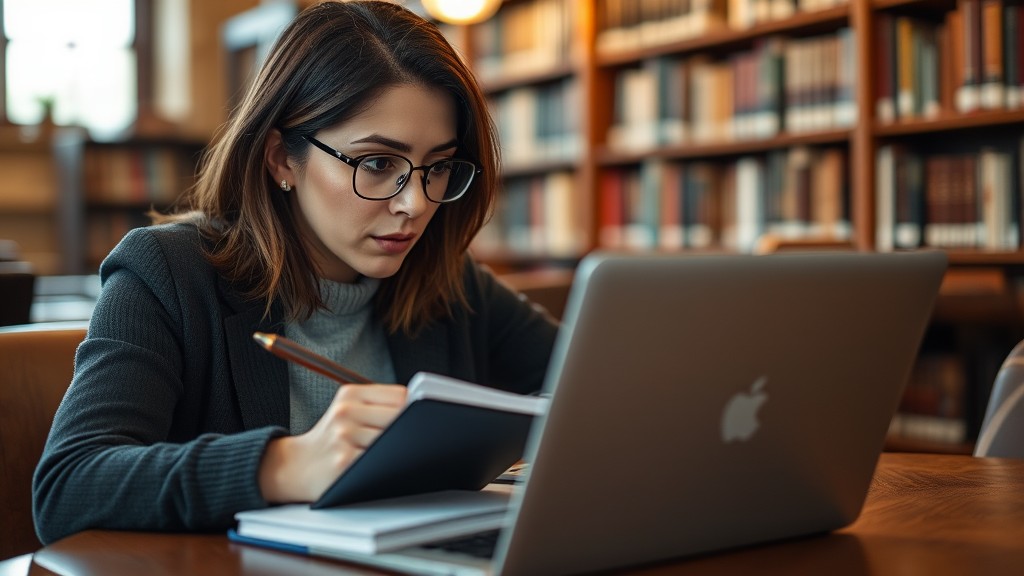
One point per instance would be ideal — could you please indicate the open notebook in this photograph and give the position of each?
(701, 403)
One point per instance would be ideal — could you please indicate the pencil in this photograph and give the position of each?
(290, 350)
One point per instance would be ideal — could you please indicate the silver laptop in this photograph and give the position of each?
(702, 403)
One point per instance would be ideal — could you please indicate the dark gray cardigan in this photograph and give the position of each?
(172, 402)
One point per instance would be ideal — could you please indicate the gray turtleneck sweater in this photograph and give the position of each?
(345, 333)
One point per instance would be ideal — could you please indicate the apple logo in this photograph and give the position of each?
(739, 419)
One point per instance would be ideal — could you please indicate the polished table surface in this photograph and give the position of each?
(925, 514)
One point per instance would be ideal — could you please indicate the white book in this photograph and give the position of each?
(749, 209)
(430, 386)
(377, 526)
(885, 218)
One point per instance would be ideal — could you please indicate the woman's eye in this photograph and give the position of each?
(441, 167)
(380, 164)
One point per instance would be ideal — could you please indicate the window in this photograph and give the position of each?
(75, 58)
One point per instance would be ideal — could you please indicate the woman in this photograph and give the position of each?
(335, 208)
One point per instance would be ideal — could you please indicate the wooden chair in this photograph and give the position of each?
(1002, 430)
(36, 365)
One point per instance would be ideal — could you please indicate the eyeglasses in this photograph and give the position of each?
(383, 176)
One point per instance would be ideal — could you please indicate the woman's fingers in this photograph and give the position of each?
(370, 405)
(356, 417)
(386, 394)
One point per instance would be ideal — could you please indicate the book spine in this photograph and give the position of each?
(1011, 51)
(909, 199)
(885, 219)
(611, 209)
(749, 207)
(968, 92)
(937, 191)
(670, 235)
(905, 66)
(829, 197)
(885, 56)
(992, 92)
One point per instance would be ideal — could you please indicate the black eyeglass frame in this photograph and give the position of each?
(356, 160)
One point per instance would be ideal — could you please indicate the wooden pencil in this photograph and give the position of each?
(293, 352)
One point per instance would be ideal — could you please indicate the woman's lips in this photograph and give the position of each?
(395, 243)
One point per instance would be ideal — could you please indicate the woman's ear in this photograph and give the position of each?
(278, 163)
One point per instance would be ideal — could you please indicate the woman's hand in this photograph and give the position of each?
(300, 468)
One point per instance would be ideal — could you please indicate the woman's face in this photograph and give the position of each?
(350, 236)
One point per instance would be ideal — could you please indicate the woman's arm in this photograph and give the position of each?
(133, 445)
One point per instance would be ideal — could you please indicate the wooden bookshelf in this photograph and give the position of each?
(950, 123)
(28, 203)
(656, 34)
(543, 75)
(595, 68)
(606, 157)
(106, 188)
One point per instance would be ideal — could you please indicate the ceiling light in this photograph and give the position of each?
(461, 11)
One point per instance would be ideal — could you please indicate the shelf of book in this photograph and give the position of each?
(610, 157)
(617, 54)
(28, 204)
(539, 166)
(510, 81)
(721, 37)
(949, 122)
(106, 188)
(941, 59)
(526, 42)
(938, 5)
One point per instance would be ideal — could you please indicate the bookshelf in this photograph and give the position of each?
(27, 199)
(708, 124)
(106, 188)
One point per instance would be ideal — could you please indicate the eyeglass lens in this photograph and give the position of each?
(381, 176)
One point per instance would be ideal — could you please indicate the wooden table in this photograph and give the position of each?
(925, 515)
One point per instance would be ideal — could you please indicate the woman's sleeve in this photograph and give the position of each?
(110, 460)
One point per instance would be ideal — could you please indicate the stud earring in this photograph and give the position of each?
(286, 186)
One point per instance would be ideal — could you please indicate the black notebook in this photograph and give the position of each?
(452, 435)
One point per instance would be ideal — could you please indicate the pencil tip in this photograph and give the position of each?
(264, 339)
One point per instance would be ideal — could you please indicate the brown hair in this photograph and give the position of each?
(326, 66)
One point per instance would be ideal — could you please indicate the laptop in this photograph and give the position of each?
(702, 403)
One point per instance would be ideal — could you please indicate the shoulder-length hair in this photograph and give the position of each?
(327, 66)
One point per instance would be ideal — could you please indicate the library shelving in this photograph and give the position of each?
(714, 124)
(106, 188)
(28, 203)
(529, 62)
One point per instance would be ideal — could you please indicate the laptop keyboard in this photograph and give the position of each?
(480, 545)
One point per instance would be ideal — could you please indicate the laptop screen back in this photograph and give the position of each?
(709, 402)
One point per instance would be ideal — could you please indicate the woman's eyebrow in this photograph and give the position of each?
(402, 146)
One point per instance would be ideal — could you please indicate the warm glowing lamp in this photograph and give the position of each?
(461, 11)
